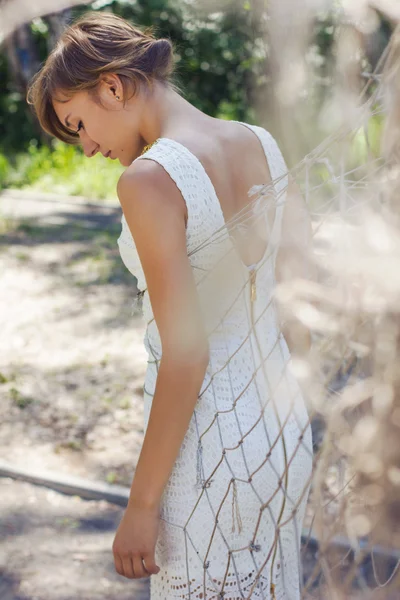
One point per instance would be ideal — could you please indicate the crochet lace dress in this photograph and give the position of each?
(233, 507)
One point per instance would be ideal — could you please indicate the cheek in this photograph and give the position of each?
(115, 130)
(100, 124)
(93, 129)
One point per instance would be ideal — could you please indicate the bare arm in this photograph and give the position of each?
(153, 209)
(294, 261)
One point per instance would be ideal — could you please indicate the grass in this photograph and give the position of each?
(62, 169)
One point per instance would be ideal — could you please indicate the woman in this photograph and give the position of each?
(220, 488)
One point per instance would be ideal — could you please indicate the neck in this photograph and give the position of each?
(165, 112)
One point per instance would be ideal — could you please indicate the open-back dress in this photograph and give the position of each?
(233, 507)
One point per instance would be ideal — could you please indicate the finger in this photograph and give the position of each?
(128, 567)
(118, 564)
(150, 563)
(138, 567)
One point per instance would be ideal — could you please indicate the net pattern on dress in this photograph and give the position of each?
(233, 507)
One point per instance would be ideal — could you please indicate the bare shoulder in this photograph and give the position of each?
(146, 182)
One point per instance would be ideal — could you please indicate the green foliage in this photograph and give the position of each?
(222, 64)
(216, 57)
(64, 169)
(366, 141)
(4, 170)
(216, 66)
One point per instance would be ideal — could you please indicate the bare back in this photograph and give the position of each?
(234, 160)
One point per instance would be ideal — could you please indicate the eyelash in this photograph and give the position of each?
(80, 125)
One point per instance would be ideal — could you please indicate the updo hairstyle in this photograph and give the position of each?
(95, 44)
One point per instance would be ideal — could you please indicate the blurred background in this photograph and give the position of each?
(226, 64)
(221, 64)
(72, 359)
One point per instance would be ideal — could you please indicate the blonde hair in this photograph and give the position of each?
(98, 43)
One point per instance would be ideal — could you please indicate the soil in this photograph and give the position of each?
(72, 363)
(72, 358)
(57, 547)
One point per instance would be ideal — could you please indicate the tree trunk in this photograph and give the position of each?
(14, 13)
(22, 57)
(57, 22)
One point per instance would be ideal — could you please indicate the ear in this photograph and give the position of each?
(112, 86)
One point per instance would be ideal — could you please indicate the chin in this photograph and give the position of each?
(124, 162)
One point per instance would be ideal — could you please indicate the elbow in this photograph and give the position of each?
(193, 356)
(198, 356)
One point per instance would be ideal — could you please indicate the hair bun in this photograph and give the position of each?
(163, 57)
(162, 41)
(163, 45)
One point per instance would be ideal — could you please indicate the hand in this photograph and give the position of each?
(135, 540)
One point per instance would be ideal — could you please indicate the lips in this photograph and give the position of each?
(108, 155)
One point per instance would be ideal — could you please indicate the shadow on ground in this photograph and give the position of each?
(57, 547)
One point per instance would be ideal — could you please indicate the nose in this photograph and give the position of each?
(90, 148)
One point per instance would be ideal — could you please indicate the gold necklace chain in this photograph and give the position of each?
(148, 147)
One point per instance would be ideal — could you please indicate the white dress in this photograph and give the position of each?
(228, 529)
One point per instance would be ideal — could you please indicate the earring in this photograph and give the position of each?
(117, 97)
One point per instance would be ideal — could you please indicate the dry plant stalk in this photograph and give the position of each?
(353, 312)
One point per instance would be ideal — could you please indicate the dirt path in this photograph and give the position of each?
(56, 547)
(72, 363)
(72, 359)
